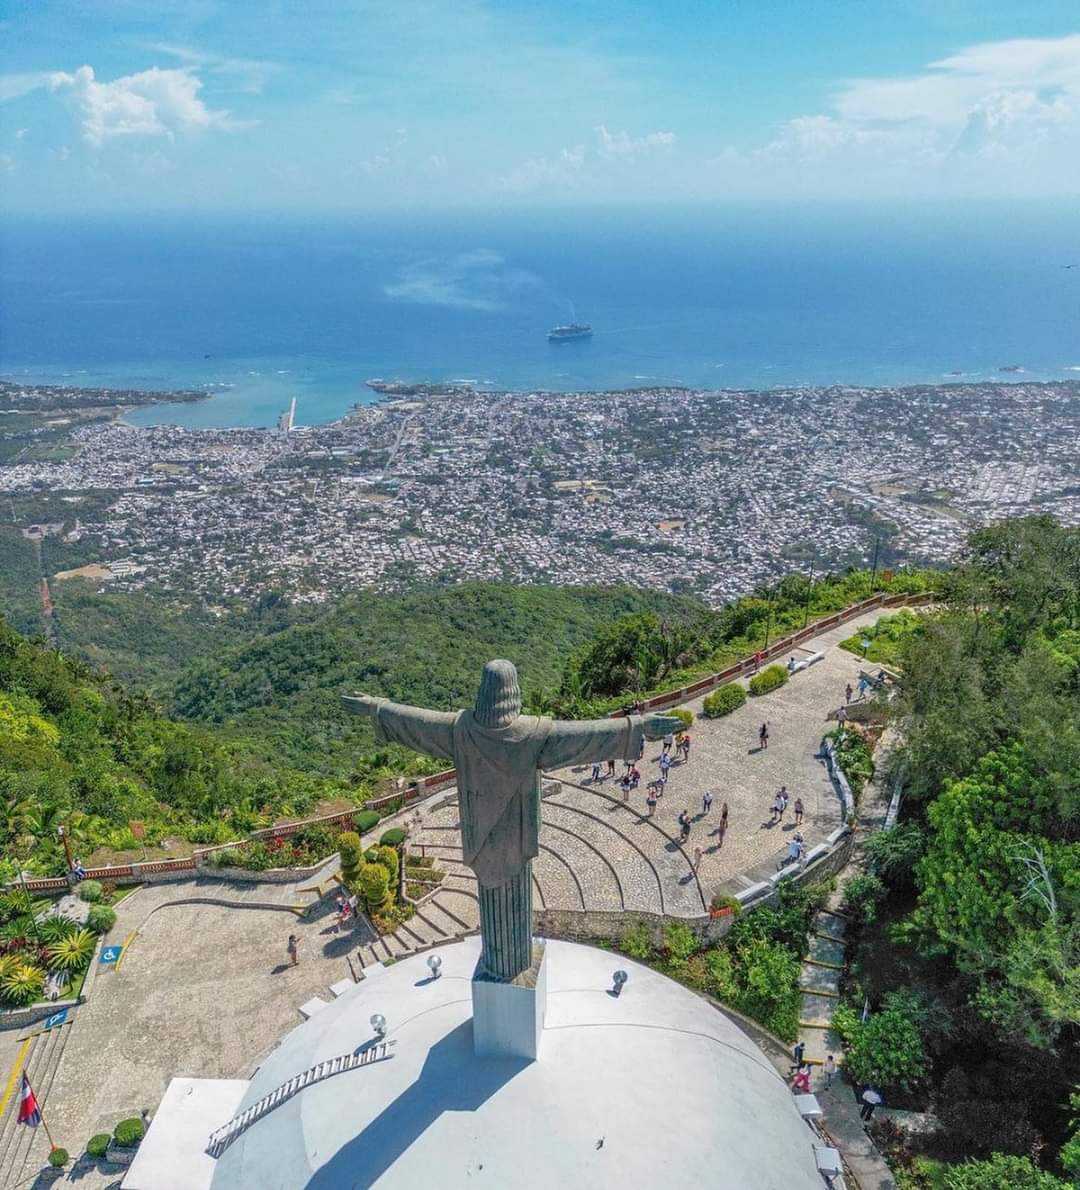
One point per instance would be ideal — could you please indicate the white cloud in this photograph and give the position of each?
(476, 280)
(152, 103)
(14, 86)
(246, 75)
(1005, 101)
(621, 146)
(578, 166)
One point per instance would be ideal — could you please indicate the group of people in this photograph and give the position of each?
(780, 805)
(800, 1073)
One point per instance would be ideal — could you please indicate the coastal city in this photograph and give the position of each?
(705, 492)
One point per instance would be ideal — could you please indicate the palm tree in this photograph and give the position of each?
(72, 953)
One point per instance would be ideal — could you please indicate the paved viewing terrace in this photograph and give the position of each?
(205, 989)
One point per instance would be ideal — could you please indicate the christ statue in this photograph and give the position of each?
(499, 753)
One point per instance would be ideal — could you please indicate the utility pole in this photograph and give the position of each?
(809, 592)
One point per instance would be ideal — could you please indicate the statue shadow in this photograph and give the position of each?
(340, 946)
(452, 1080)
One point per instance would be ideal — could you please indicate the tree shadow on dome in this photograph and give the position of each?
(453, 1079)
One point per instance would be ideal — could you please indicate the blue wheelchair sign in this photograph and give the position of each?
(110, 954)
(57, 1018)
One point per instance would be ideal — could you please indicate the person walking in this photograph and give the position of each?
(830, 1070)
(635, 777)
(797, 1054)
(650, 800)
(625, 784)
(849, 690)
(841, 715)
(611, 768)
(686, 746)
(798, 811)
(870, 1100)
(706, 801)
(669, 739)
(776, 809)
(596, 771)
(697, 858)
(684, 826)
(723, 824)
(294, 950)
(782, 798)
(763, 737)
(665, 764)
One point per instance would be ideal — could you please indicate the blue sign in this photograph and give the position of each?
(110, 954)
(57, 1018)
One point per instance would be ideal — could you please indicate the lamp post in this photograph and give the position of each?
(809, 592)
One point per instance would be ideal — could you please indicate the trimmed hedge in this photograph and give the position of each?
(772, 677)
(365, 820)
(687, 717)
(89, 891)
(128, 1133)
(58, 1158)
(393, 837)
(97, 1144)
(101, 918)
(723, 701)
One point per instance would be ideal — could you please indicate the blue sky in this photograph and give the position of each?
(365, 105)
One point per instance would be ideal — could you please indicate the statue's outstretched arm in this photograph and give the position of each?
(430, 732)
(581, 741)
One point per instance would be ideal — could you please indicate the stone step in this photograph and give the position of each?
(460, 907)
(816, 1009)
(829, 952)
(831, 925)
(448, 926)
(813, 978)
(820, 1042)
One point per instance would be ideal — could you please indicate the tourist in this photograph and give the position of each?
(665, 764)
(864, 685)
(798, 811)
(841, 715)
(791, 665)
(669, 739)
(611, 768)
(763, 737)
(797, 1055)
(782, 795)
(830, 1070)
(635, 777)
(800, 1084)
(870, 1100)
(641, 748)
(294, 949)
(684, 825)
(77, 869)
(650, 800)
(706, 801)
(697, 858)
(849, 690)
(722, 831)
(596, 771)
(625, 783)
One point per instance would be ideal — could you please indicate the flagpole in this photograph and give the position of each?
(37, 1104)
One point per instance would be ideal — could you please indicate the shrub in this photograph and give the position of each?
(388, 857)
(97, 1144)
(23, 985)
(723, 701)
(768, 978)
(16, 903)
(58, 1158)
(101, 918)
(73, 953)
(772, 677)
(685, 717)
(720, 980)
(720, 901)
(375, 887)
(895, 852)
(862, 893)
(352, 858)
(128, 1133)
(637, 942)
(90, 891)
(680, 941)
(394, 837)
(999, 1172)
(846, 1022)
(365, 820)
(888, 1049)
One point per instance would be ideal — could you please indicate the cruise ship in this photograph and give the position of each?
(572, 330)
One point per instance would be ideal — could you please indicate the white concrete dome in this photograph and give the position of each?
(654, 1088)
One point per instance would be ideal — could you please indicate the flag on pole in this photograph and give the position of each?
(29, 1112)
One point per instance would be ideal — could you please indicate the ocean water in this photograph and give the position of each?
(255, 311)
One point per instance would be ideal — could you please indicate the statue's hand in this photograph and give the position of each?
(658, 726)
(360, 704)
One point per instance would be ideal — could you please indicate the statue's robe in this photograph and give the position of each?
(498, 772)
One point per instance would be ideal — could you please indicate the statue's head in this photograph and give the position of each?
(498, 701)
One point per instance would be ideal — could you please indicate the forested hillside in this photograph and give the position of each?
(281, 690)
(969, 951)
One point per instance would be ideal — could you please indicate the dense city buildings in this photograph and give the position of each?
(705, 491)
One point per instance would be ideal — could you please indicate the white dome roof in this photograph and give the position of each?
(653, 1088)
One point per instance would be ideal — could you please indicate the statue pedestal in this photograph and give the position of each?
(508, 1015)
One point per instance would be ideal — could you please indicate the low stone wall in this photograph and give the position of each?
(269, 876)
(592, 925)
(19, 1018)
